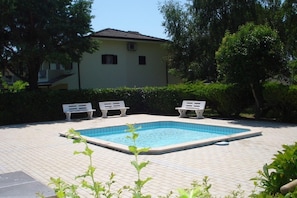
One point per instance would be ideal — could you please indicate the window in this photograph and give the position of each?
(109, 59)
(141, 60)
(59, 66)
(69, 66)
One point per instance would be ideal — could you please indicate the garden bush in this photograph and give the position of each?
(280, 101)
(279, 172)
(225, 100)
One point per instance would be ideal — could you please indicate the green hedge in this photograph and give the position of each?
(281, 102)
(224, 100)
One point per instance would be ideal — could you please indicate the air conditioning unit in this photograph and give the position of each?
(131, 46)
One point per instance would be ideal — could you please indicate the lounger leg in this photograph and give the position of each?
(104, 113)
(123, 112)
(90, 114)
(182, 113)
(68, 116)
(199, 113)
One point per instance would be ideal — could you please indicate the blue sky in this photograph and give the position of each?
(134, 15)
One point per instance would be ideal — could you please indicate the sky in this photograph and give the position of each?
(142, 16)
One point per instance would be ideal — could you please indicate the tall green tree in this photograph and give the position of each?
(289, 8)
(272, 13)
(249, 57)
(174, 23)
(196, 30)
(281, 15)
(46, 30)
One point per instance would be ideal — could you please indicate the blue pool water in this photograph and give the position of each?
(160, 134)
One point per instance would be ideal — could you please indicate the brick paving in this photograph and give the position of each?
(39, 151)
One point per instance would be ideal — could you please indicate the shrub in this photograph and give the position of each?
(16, 86)
(160, 100)
(227, 99)
(221, 99)
(280, 101)
(281, 171)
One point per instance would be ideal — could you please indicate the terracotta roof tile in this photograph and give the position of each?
(119, 34)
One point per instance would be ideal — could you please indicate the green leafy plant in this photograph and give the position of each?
(16, 86)
(282, 170)
(87, 180)
(139, 183)
(196, 190)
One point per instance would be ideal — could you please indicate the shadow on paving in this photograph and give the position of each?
(20, 185)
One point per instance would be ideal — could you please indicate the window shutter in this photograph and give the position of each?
(115, 59)
(103, 59)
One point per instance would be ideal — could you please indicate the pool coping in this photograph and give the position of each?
(177, 147)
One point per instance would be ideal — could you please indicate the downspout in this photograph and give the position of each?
(78, 71)
(167, 80)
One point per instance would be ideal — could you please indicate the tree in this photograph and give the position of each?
(249, 57)
(46, 30)
(174, 24)
(196, 30)
(282, 16)
(290, 20)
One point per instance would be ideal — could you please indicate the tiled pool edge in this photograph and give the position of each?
(200, 143)
(178, 147)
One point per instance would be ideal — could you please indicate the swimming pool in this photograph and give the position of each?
(165, 136)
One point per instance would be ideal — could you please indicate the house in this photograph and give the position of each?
(124, 59)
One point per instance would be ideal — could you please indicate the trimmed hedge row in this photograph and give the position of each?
(225, 100)
(281, 102)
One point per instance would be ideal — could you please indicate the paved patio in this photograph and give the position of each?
(39, 151)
